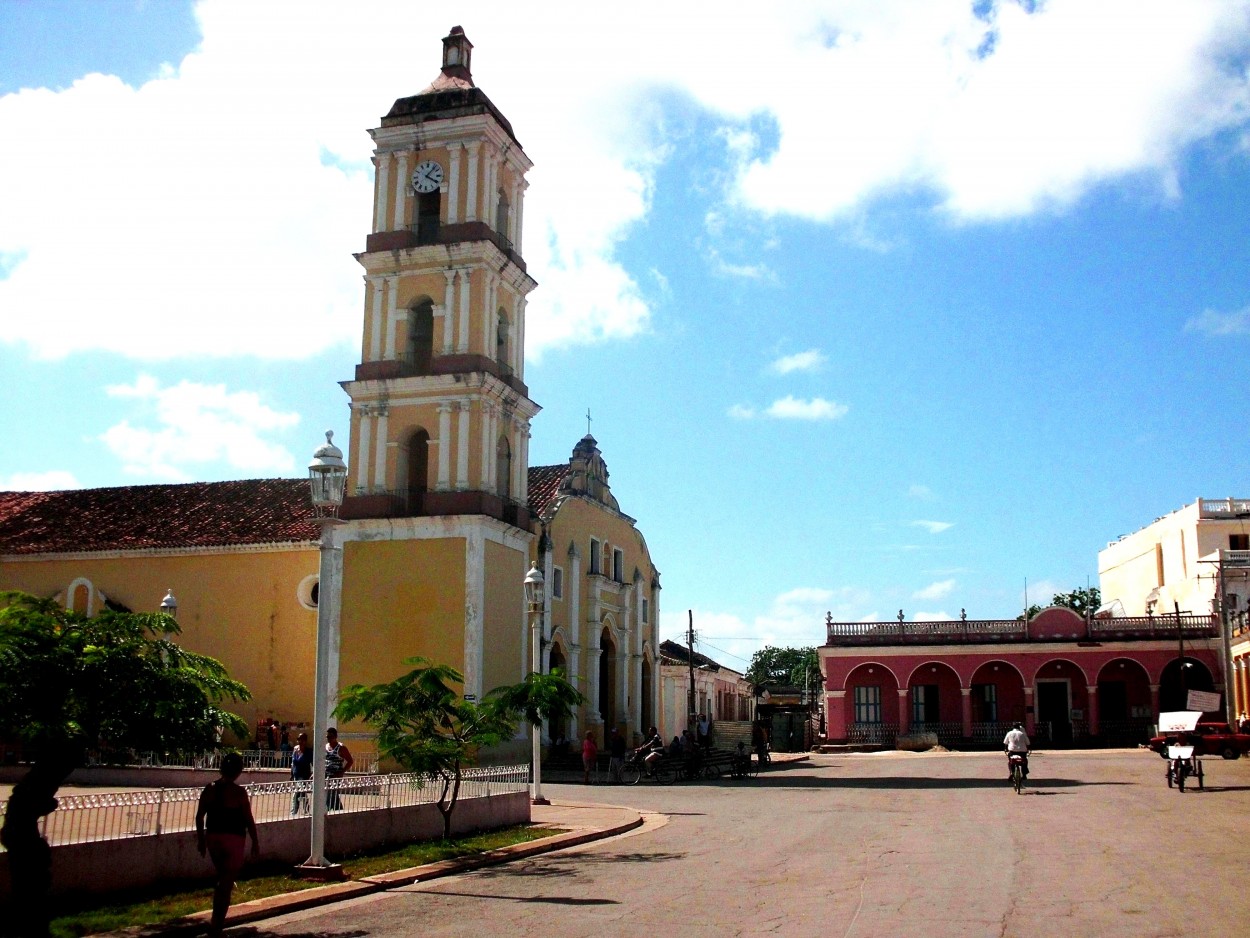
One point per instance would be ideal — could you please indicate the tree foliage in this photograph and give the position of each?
(425, 725)
(111, 684)
(797, 666)
(1084, 602)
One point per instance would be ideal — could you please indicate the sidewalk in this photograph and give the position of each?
(582, 823)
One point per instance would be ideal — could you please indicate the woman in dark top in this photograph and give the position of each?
(222, 823)
(301, 771)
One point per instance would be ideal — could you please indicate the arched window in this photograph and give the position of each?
(418, 469)
(503, 468)
(501, 339)
(421, 335)
(501, 214)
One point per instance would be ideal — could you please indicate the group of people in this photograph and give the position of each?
(223, 819)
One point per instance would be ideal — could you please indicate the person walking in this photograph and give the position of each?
(301, 771)
(590, 752)
(223, 821)
(616, 752)
(339, 762)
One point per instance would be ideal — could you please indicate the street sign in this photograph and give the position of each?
(1203, 700)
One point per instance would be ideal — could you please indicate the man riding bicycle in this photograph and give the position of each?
(1016, 743)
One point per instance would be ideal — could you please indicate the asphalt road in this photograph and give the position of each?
(884, 845)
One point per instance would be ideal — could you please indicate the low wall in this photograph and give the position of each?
(107, 865)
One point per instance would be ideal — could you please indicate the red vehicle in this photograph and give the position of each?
(1209, 739)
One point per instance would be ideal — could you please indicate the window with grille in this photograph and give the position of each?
(868, 704)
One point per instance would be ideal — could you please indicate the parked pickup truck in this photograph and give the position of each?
(1209, 739)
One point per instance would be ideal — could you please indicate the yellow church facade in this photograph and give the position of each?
(440, 525)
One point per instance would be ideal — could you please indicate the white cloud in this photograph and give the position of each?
(1040, 593)
(933, 527)
(724, 268)
(795, 618)
(938, 590)
(196, 424)
(922, 492)
(50, 481)
(216, 208)
(811, 360)
(741, 412)
(792, 408)
(1217, 325)
(924, 616)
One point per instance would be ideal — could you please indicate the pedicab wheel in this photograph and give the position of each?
(630, 775)
(666, 775)
(1170, 771)
(1180, 775)
(1201, 785)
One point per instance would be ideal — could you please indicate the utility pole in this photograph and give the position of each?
(1226, 646)
(690, 661)
(1180, 654)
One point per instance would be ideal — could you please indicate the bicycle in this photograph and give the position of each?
(1016, 761)
(1183, 764)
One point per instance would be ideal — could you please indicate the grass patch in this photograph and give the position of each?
(160, 905)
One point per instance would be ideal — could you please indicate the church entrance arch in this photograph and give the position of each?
(647, 710)
(557, 662)
(607, 678)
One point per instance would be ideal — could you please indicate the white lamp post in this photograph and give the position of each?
(327, 475)
(534, 600)
(169, 605)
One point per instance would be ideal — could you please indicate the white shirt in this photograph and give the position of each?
(1016, 741)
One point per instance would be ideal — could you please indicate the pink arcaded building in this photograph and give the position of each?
(1071, 680)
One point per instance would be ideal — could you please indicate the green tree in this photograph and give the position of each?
(798, 666)
(1081, 601)
(425, 725)
(70, 685)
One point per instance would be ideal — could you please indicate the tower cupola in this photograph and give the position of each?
(457, 53)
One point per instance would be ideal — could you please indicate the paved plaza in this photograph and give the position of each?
(866, 845)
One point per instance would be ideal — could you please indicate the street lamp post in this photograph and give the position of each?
(327, 476)
(534, 600)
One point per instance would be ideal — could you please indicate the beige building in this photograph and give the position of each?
(1195, 559)
(1175, 561)
(602, 597)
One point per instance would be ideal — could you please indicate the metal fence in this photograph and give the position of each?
(367, 763)
(947, 732)
(118, 815)
(876, 733)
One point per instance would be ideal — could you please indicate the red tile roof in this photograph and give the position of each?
(139, 517)
(544, 486)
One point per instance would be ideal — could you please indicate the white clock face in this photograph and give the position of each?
(427, 177)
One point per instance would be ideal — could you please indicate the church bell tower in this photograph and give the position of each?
(440, 410)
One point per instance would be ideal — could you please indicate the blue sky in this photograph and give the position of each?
(876, 306)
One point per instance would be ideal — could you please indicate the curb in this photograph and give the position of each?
(272, 906)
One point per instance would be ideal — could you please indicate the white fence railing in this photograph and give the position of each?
(367, 763)
(119, 815)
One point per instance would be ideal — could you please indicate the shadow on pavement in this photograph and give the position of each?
(906, 782)
(250, 931)
(565, 865)
(547, 900)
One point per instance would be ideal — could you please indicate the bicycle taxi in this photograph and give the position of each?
(1180, 748)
